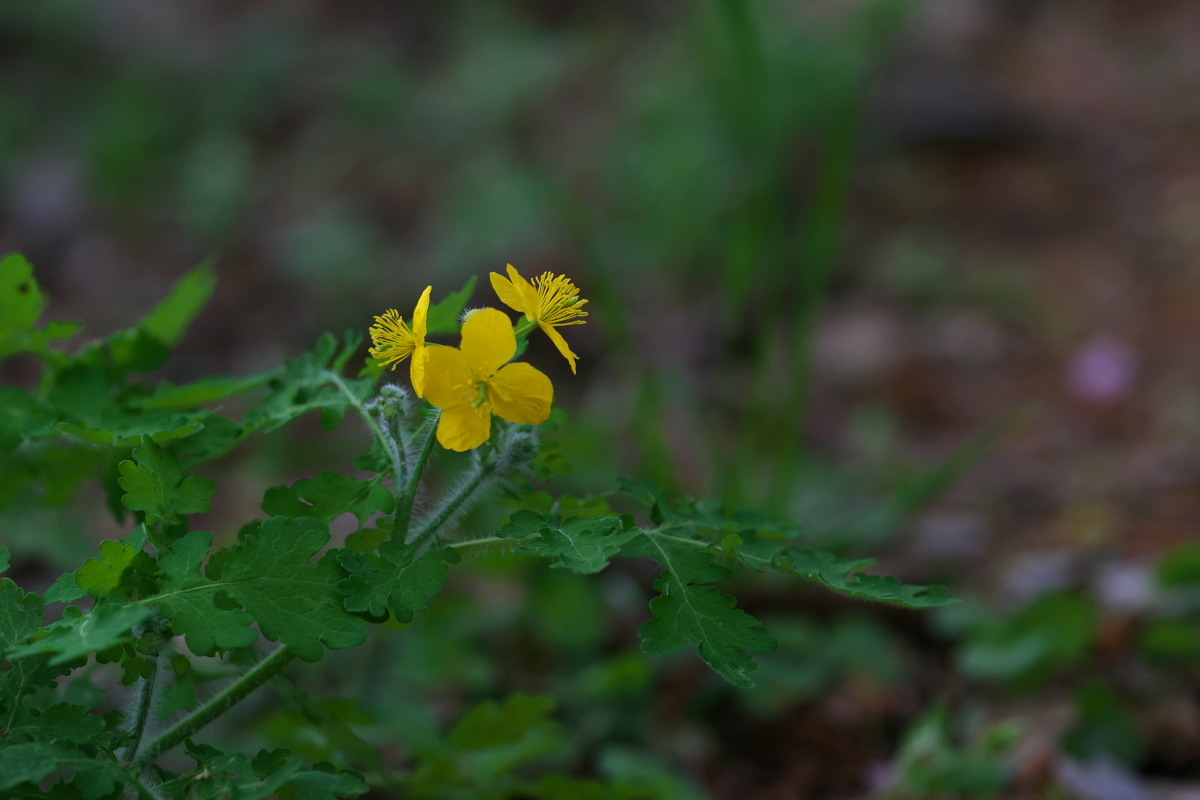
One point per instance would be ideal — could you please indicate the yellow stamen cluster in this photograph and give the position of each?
(558, 300)
(392, 337)
(395, 341)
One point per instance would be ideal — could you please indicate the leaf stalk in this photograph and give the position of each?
(405, 500)
(259, 674)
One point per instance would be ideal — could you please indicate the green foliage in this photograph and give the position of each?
(21, 616)
(79, 634)
(580, 545)
(154, 484)
(19, 412)
(690, 610)
(219, 775)
(312, 382)
(396, 580)
(24, 764)
(1180, 568)
(188, 595)
(180, 612)
(1105, 727)
(327, 496)
(686, 540)
(931, 764)
(99, 576)
(444, 315)
(842, 575)
(21, 306)
(1052, 632)
(271, 572)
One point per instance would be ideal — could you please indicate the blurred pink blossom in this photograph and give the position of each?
(1102, 370)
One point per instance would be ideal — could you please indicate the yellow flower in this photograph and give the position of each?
(473, 383)
(394, 341)
(550, 301)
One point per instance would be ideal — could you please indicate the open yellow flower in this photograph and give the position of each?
(395, 341)
(473, 383)
(549, 301)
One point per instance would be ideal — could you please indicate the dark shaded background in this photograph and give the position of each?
(826, 246)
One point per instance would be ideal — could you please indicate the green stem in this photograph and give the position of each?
(401, 478)
(405, 500)
(259, 674)
(429, 527)
(483, 542)
(145, 696)
(143, 790)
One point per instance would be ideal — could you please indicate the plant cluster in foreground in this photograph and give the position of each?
(112, 673)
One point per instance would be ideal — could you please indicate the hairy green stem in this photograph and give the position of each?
(404, 501)
(144, 791)
(399, 469)
(482, 542)
(450, 507)
(145, 697)
(259, 674)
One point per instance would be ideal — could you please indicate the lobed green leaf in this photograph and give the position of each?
(99, 576)
(840, 574)
(21, 306)
(327, 496)
(271, 573)
(154, 483)
(79, 634)
(21, 615)
(22, 416)
(691, 611)
(396, 580)
(584, 546)
(188, 597)
(305, 385)
(62, 722)
(221, 775)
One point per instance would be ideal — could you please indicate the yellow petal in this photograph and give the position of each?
(447, 379)
(488, 341)
(528, 294)
(420, 317)
(417, 372)
(464, 427)
(561, 344)
(507, 291)
(521, 393)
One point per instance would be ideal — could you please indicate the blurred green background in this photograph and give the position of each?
(921, 274)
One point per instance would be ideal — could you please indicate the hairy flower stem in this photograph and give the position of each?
(143, 790)
(450, 507)
(142, 714)
(400, 475)
(259, 674)
(404, 501)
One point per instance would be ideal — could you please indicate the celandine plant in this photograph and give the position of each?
(108, 674)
